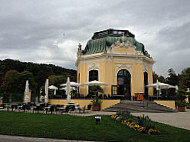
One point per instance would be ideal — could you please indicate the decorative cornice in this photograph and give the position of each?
(136, 57)
(122, 44)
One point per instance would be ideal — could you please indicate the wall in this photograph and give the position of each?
(108, 74)
(167, 103)
(105, 103)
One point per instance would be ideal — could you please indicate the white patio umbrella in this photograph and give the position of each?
(68, 90)
(158, 85)
(188, 90)
(26, 98)
(65, 88)
(52, 87)
(95, 82)
(36, 100)
(176, 88)
(73, 84)
(46, 91)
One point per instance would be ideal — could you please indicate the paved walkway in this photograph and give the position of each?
(179, 119)
(7, 138)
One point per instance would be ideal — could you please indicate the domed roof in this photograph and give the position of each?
(101, 41)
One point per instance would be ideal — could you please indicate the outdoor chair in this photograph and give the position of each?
(21, 107)
(27, 107)
(71, 108)
(89, 107)
(66, 109)
(36, 108)
(50, 108)
(42, 107)
(82, 110)
(59, 108)
(13, 106)
(2, 106)
(77, 107)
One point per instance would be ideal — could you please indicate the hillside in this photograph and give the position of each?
(14, 73)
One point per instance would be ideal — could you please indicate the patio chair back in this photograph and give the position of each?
(72, 108)
(89, 107)
(67, 108)
(52, 108)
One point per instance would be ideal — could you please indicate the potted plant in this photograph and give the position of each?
(181, 103)
(96, 103)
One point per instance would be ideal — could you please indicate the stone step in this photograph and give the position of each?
(137, 106)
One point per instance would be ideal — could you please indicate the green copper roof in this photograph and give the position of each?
(101, 41)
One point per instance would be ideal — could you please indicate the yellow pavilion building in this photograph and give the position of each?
(118, 59)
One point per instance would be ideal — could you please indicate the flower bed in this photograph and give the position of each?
(142, 124)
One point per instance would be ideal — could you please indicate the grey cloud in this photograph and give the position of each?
(49, 31)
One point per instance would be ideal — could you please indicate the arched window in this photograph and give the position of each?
(93, 75)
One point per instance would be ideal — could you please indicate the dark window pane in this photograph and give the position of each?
(93, 75)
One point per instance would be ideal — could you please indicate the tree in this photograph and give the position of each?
(1, 82)
(56, 80)
(184, 78)
(157, 77)
(95, 89)
(1, 77)
(173, 78)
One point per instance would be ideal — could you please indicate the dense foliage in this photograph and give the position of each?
(13, 75)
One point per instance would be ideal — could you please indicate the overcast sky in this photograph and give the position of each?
(48, 31)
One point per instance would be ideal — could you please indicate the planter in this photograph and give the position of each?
(180, 108)
(96, 108)
(188, 106)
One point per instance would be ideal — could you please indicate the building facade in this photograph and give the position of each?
(116, 58)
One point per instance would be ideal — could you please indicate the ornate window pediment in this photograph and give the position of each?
(93, 66)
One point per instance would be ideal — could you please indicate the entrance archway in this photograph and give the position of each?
(124, 83)
(145, 83)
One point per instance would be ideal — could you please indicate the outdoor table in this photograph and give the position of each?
(19, 107)
(14, 106)
(60, 108)
(46, 109)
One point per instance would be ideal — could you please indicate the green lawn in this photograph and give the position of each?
(82, 128)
